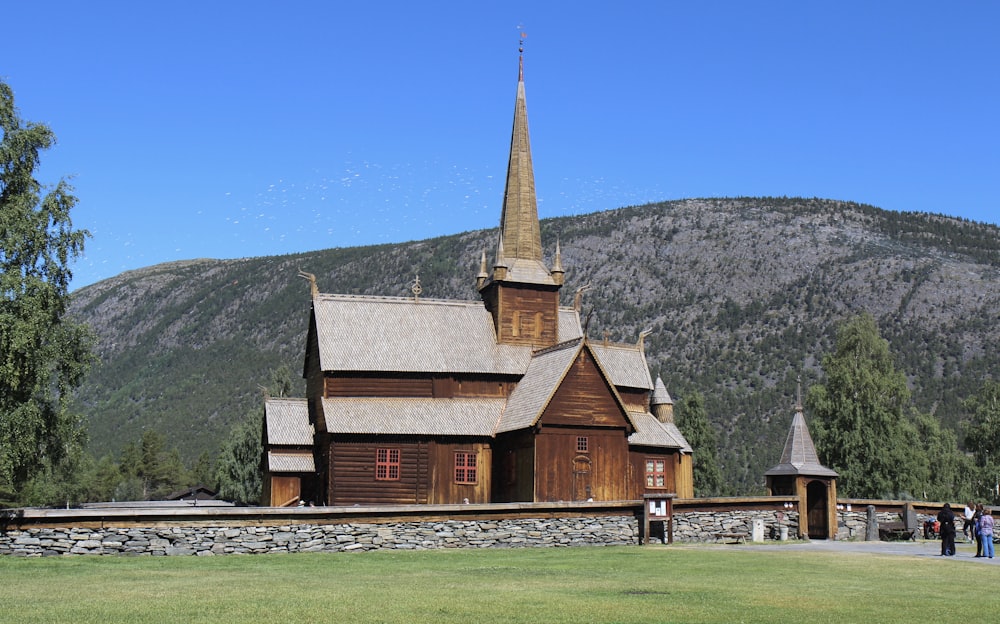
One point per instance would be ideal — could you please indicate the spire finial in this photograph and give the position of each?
(416, 288)
(313, 289)
(520, 54)
(798, 394)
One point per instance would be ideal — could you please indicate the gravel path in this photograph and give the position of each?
(919, 548)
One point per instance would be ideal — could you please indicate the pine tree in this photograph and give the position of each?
(238, 470)
(692, 420)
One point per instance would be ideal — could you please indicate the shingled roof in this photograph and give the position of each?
(290, 461)
(799, 456)
(287, 422)
(625, 364)
(397, 334)
(412, 416)
(651, 432)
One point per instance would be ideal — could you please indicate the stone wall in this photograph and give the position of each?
(250, 537)
(703, 526)
(852, 525)
(207, 540)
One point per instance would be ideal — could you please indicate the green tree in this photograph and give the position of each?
(238, 469)
(692, 420)
(947, 472)
(982, 438)
(860, 428)
(43, 355)
(203, 472)
(161, 470)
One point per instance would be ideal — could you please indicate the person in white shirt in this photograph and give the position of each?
(969, 526)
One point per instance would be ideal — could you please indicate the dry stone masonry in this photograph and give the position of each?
(204, 541)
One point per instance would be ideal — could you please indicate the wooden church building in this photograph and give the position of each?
(422, 401)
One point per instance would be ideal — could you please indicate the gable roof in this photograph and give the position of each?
(799, 455)
(625, 364)
(545, 373)
(287, 422)
(397, 334)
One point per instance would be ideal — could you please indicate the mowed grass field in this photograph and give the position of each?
(586, 584)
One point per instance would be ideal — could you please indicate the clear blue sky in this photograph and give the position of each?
(231, 129)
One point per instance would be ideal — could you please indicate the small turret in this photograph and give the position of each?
(483, 274)
(661, 404)
(557, 272)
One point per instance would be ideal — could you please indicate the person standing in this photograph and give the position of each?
(969, 525)
(947, 519)
(979, 539)
(986, 532)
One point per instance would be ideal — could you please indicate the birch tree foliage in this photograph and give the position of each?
(43, 354)
(861, 428)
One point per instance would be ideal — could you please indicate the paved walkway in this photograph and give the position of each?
(919, 548)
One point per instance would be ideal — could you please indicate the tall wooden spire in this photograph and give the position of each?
(519, 229)
(522, 294)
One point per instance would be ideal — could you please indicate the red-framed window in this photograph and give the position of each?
(387, 464)
(582, 444)
(466, 467)
(656, 472)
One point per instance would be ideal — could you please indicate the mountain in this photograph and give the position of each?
(742, 295)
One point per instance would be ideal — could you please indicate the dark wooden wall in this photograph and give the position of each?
(314, 378)
(443, 488)
(514, 467)
(426, 472)
(564, 474)
(636, 400)
(281, 491)
(585, 399)
(351, 473)
(415, 385)
(637, 470)
(524, 314)
(583, 406)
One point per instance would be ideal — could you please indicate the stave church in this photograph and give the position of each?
(505, 400)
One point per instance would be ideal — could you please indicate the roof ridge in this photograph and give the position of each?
(615, 345)
(393, 299)
(572, 342)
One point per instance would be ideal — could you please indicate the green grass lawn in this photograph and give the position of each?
(620, 584)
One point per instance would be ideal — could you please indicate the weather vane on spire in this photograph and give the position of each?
(520, 52)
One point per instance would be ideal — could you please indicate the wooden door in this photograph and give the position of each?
(581, 478)
(816, 504)
(285, 491)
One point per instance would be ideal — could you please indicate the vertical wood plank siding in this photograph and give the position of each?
(524, 314)
(442, 484)
(584, 398)
(637, 461)
(566, 475)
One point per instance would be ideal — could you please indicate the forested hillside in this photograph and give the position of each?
(742, 296)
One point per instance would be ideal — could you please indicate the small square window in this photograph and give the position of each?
(582, 444)
(466, 467)
(386, 464)
(656, 473)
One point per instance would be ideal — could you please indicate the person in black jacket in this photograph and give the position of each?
(947, 519)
